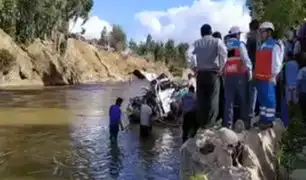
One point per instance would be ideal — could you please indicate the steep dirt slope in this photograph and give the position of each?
(39, 64)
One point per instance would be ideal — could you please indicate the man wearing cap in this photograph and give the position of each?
(211, 56)
(268, 65)
(237, 73)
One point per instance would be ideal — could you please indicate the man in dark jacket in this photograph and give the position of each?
(252, 44)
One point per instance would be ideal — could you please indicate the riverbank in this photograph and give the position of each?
(40, 64)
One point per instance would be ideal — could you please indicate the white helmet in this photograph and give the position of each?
(235, 30)
(267, 25)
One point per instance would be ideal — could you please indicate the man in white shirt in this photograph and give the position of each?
(145, 119)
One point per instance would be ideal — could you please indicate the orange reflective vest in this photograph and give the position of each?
(263, 63)
(234, 64)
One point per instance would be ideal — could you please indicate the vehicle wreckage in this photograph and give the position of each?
(164, 97)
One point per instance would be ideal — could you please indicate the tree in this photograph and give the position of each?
(158, 51)
(118, 38)
(26, 20)
(149, 43)
(282, 13)
(7, 17)
(170, 51)
(103, 41)
(83, 31)
(182, 49)
(132, 45)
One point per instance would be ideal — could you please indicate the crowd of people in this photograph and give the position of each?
(238, 82)
(245, 82)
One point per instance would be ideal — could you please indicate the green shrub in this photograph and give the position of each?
(176, 70)
(292, 140)
(199, 177)
(7, 60)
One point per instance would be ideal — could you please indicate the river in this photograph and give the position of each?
(62, 133)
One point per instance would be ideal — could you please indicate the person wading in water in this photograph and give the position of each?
(115, 120)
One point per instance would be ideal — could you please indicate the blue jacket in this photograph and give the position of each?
(114, 115)
(291, 72)
(189, 102)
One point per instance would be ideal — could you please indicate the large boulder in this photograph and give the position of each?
(222, 154)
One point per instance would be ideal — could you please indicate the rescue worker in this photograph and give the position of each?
(237, 73)
(268, 65)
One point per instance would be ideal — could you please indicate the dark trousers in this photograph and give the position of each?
(252, 99)
(113, 132)
(302, 102)
(221, 99)
(208, 87)
(145, 131)
(279, 93)
(189, 126)
(235, 93)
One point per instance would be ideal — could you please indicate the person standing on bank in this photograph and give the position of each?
(211, 56)
(237, 73)
(269, 59)
(218, 35)
(115, 120)
(253, 43)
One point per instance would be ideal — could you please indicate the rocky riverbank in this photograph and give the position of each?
(39, 64)
(222, 154)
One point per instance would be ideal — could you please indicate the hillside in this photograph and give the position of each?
(39, 64)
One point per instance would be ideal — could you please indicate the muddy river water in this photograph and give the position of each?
(62, 133)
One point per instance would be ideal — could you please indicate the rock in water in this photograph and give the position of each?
(222, 154)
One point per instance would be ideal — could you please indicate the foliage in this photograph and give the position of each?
(132, 45)
(26, 20)
(117, 38)
(292, 140)
(199, 177)
(175, 56)
(282, 13)
(104, 38)
(7, 60)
